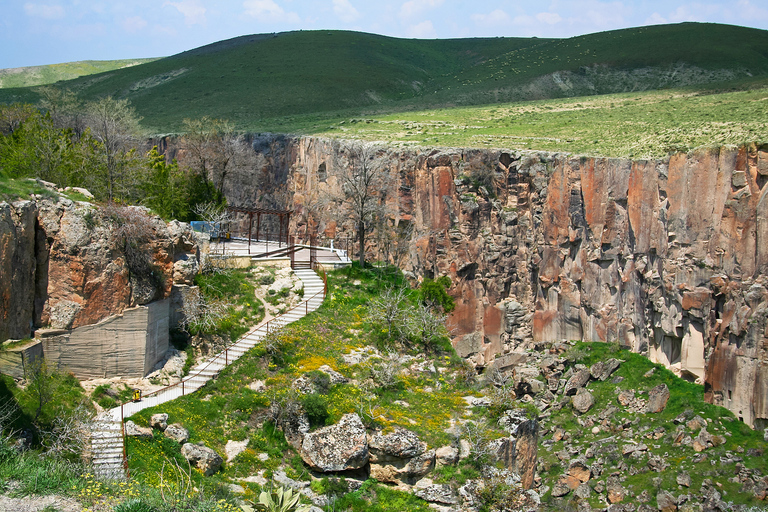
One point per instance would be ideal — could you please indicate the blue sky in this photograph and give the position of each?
(38, 32)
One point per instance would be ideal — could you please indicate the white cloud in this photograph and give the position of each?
(48, 12)
(413, 8)
(134, 24)
(550, 18)
(752, 12)
(345, 11)
(693, 12)
(423, 30)
(193, 11)
(656, 19)
(497, 17)
(268, 10)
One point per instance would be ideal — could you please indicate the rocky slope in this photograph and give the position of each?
(668, 257)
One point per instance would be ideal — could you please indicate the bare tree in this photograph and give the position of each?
(40, 383)
(390, 309)
(364, 188)
(212, 148)
(69, 433)
(428, 323)
(219, 218)
(115, 126)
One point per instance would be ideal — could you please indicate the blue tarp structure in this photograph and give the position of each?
(203, 226)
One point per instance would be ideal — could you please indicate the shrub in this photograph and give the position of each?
(316, 407)
(435, 294)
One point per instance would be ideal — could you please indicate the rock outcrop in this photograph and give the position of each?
(66, 264)
(668, 257)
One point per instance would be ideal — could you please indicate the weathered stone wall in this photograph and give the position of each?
(126, 345)
(667, 257)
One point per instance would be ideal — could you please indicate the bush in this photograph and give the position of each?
(435, 294)
(316, 407)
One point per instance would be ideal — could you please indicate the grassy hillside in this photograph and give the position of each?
(638, 125)
(32, 76)
(263, 82)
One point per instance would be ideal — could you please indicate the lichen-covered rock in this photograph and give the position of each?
(159, 421)
(202, 457)
(657, 398)
(603, 369)
(338, 447)
(583, 401)
(177, 433)
(576, 382)
(400, 444)
(133, 430)
(434, 493)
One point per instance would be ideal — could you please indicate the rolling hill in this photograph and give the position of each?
(271, 81)
(31, 76)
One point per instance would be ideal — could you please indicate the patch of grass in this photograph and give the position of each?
(235, 287)
(14, 189)
(32, 76)
(380, 498)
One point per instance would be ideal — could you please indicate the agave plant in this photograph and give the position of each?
(280, 500)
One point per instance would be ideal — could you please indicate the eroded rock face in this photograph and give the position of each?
(668, 257)
(67, 264)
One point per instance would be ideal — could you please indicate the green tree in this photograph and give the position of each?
(166, 187)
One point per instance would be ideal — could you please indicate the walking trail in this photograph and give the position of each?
(107, 439)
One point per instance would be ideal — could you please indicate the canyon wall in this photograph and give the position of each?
(66, 265)
(666, 257)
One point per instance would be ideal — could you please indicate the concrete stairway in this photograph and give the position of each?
(106, 434)
(107, 449)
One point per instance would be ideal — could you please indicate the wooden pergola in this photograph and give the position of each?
(283, 215)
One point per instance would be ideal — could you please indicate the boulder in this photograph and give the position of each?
(202, 457)
(603, 369)
(665, 502)
(526, 452)
(446, 455)
(177, 433)
(578, 380)
(583, 400)
(338, 447)
(657, 399)
(159, 421)
(579, 471)
(434, 493)
(133, 430)
(400, 444)
(683, 479)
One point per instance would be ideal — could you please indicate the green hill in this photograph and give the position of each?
(263, 82)
(31, 76)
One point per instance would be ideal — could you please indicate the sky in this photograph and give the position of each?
(37, 32)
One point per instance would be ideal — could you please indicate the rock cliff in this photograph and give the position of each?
(67, 264)
(667, 257)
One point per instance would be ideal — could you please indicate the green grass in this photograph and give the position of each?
(308, 82)
(32, 76)
(13, 189)
(227, 408)
(237, 288)
(636, 125)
